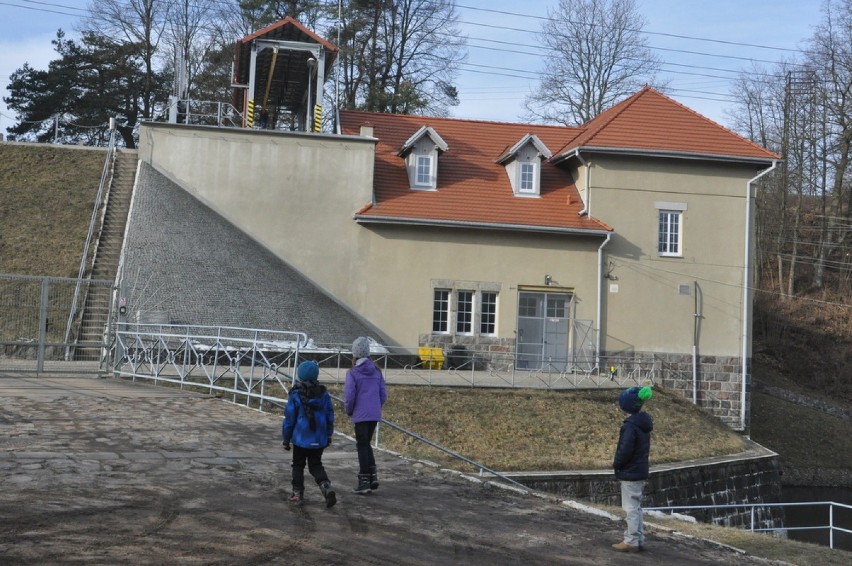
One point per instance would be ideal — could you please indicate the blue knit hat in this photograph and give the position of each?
(631, 399)
(307, 371)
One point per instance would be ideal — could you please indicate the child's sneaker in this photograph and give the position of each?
(297, 497)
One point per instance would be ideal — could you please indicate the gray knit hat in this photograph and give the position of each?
(361, 348)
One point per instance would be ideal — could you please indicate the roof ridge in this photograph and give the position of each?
(475, 120)
(713, 122)
(616, 112)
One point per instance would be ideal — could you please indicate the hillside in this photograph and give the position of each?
(48, 195)
(802, 352)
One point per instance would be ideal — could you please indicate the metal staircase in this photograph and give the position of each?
(107, 253)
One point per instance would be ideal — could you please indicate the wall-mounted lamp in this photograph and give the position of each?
(547, 279)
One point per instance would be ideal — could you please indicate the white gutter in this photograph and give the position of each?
(600, 300)
(746, 335)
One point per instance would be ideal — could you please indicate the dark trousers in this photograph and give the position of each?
(363, 433)
(311, 456)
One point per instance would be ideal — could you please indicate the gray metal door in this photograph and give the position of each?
(543, 331)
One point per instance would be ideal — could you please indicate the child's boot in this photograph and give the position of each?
(297, 497)
(374, 478)
(328, 494)
(363, 486)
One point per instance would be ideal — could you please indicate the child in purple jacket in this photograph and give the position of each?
(364, 393)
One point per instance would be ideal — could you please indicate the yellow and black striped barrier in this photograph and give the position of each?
(317, 118)
(250, 114)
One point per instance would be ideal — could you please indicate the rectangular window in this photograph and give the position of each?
(669, 242)
(464, 312)
(527, 178)
(488, 313)
(441, 311)
(557, 306)
(528, 305)
(423, 174)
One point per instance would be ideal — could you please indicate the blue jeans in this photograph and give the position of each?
(363, 433)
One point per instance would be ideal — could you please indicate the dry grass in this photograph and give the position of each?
(789, 429)
(48, 195)
(522, 430)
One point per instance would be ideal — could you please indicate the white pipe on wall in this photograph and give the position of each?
(746, 331)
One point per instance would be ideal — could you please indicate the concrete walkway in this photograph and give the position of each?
(106, 471)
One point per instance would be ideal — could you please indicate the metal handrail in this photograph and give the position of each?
(153, 347)
(92, 222)
(752, 506)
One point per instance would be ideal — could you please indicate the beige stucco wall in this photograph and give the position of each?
(383, 273)
(406, 260)
(644, 309)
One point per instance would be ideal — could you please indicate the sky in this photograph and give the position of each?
(703, 46)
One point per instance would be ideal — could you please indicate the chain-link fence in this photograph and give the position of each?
(39, 324)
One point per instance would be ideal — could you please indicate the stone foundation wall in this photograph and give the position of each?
(719, 384)
(753, 479)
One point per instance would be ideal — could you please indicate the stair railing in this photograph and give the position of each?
(105, 175)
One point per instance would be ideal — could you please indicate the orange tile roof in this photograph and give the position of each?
(650, 121)
(473, 189)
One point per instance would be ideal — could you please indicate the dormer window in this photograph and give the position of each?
(421, 153)
(523, 165)
(527, 178)
(423, 172)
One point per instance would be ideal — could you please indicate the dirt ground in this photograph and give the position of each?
(102, 471)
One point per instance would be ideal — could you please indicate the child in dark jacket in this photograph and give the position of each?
(631, 464)
(308, 423)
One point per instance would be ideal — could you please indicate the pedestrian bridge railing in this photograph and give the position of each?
(254, 367)
(250, 364)
(831, 517)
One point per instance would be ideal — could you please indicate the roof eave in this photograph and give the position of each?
(663, 153)
(434, 222)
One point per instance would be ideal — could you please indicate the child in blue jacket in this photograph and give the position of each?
(309, 424)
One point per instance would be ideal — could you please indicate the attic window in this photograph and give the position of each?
(527, 177)
(523, 165)
(423, 171)
(421, 153)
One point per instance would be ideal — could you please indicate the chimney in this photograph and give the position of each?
(366, 130)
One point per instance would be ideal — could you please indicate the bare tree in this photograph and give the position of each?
(830, 52)
(598, 56)
(399, 56)
(803, 110)
(137, 22)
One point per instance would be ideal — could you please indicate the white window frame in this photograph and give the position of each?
(669, 238)
(428, 159)
(441, 306)
(487, 318)
(532, 168)
(465, 311)
(457, 308)
(670, 243)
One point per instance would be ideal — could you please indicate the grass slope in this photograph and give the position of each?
(521, 430)
(48, 193)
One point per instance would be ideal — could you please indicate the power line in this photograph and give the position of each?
(661, 34)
